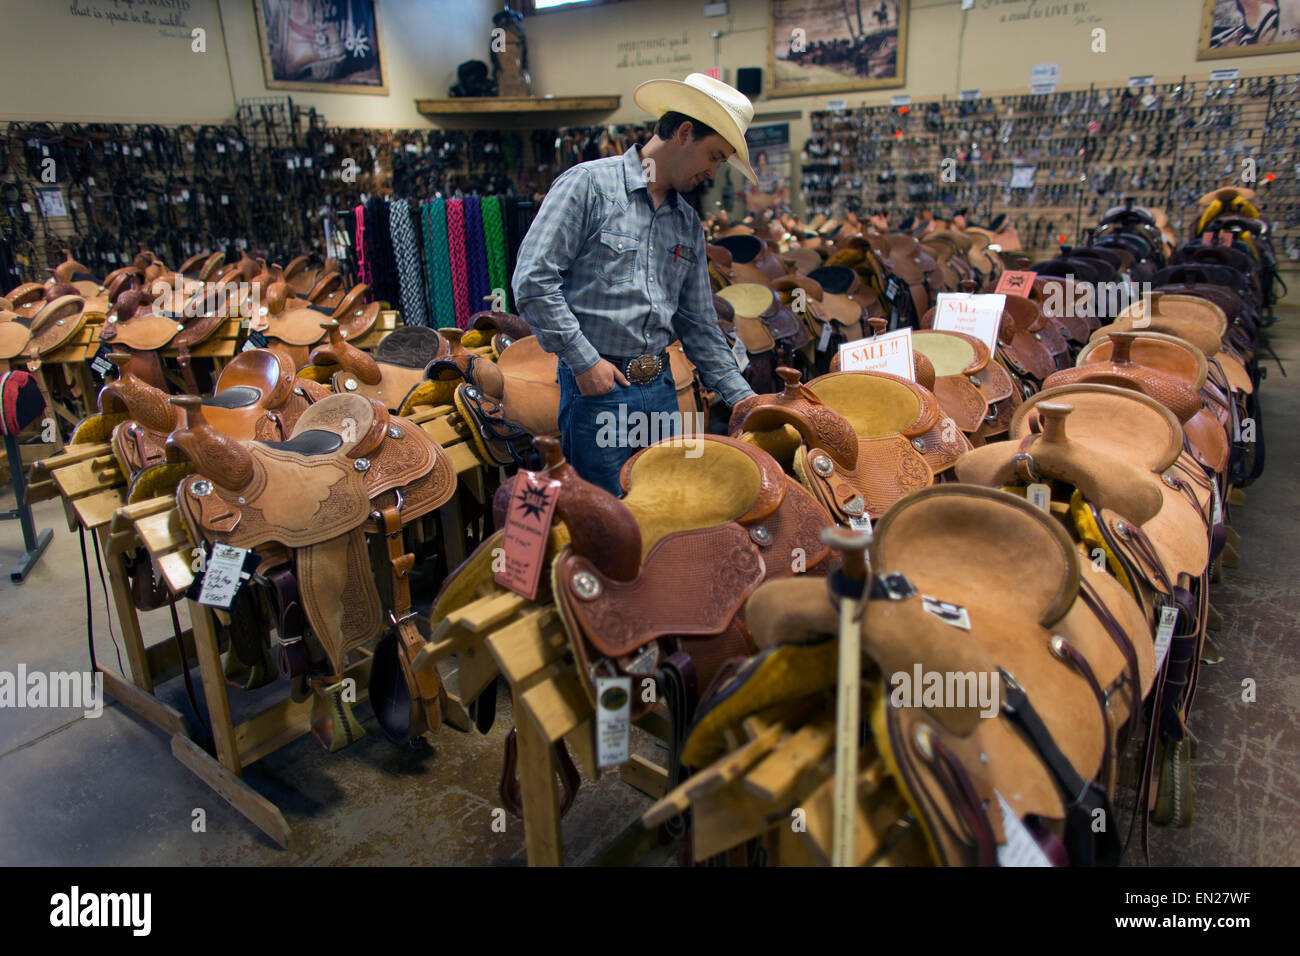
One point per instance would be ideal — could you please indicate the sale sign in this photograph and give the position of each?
(1016, 283)
(977, 315)
(891, 352)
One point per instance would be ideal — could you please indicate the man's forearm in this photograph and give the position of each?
(558, 331)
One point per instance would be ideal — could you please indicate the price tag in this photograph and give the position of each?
(862, 523)
(138, 153)
(528, 524)
(190, 146)
(185, 195)
(225, 200)
(613, 721)
(239, 147)
(1218, 76)
(890, 353)
(223, 575)
(977, 315)
(825, 338)
(891, 290)
(1015, 282)
(1137, 82)
(329, 149)
(1040, 496)
(1218, 503)
(45, 151)
(110, 258)
(951, 614)
(1021, 849)
(27, 207)
(1165, 632)
(90, 180)
(968, 95)
(307, 162)
(221, 147)
(1022, 177)
(742, 354)
(100, 366)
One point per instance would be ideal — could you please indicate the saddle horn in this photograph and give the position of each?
(217, 456)
(337, 350)
(601, 529)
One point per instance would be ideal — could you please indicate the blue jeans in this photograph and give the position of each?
(592, 427)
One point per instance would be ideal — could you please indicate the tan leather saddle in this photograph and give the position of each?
(49, 325)
(651, 586)
(972, 387)
(348, 470)
(393, 373)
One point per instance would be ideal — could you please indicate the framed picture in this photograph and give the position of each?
(826, 46)
(1248, 28)
(327, 46)
(769, 152)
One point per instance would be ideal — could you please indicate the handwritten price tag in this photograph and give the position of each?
(528, 523)
(977, 315)
(891, 352)
(221, 576)
(1016, 283)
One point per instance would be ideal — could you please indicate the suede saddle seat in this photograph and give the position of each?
(654, 583)
(395, 373)
(762, 320)
(1065, 646)
(1163, 368)
(1020, 344)
(50, 325)
(256, 398)
(972, 388)
(318, 494)
(861, 437)
(1194, 319)
(1126, 498)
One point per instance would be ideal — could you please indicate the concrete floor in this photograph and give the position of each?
(106, 791)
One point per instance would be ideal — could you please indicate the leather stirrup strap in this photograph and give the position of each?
(424, 685)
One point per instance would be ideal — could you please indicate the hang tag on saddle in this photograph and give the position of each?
(891, 290)
(613, 721)
(100, 366)
(1021, 849)
(741, 353)
(226, 572)
(1218, 503)
(1016, 282)
(861, 523)
(255, 340)
(952, 614)
(824, 342)
(1165, 633)
(528, 525)
(1040, 496)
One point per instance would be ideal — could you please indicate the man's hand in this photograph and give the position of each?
(600, 378)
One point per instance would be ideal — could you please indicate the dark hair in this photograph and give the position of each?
(666, 128)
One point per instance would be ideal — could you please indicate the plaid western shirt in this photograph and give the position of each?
(602, 272)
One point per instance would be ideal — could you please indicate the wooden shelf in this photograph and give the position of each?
(478, 105)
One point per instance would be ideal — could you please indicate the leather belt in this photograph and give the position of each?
(640, 369)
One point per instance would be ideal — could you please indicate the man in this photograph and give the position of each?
(613, 269)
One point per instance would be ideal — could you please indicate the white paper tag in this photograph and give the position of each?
(1021, 849)
(1138, 82)
(1218, 76)
(27, 207)
(836, 106)
(1040, 496)
(862, 523)
(613, 720)
(890, 353)
(90, 180)
(1165, 633)
(953, 614)
(741, 353)
(1218, 503)
(329, 149)
(307, 162)
(185, 195)
(1022, 177)
(968, 95)
(221, 576)
(111, 258)
(901, 99)
(221, 147)
(825, 339)
(977, 315)
(225, 200)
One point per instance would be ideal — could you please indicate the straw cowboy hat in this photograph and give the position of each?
(712, 102)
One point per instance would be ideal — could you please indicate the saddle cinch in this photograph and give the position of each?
(517, 398)
(866, 438)
(349, 469)
(1064, 653)
(651, 585)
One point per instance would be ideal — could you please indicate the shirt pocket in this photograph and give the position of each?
(617, 257)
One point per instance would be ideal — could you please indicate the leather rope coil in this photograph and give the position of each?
(494, 236)
(459, 269)
(437, 263)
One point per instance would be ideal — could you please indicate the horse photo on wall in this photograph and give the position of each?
(825, 46)
(329, 46)
(1248, 28)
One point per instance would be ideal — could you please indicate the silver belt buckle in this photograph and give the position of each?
(643, 369)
